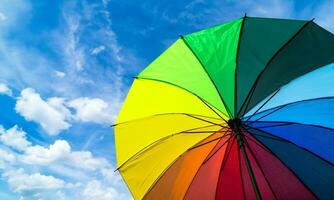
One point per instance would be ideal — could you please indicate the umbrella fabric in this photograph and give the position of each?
(241, 110)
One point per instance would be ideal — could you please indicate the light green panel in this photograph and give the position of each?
(179, 66)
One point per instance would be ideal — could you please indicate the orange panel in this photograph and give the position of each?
(176, 180)
(205, 182)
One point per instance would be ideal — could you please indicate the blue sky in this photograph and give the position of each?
(65, 68)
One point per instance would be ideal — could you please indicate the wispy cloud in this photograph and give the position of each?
(104, 76)
(98, 50)
(200, 14)
(323, 15)
(4, 89)
(2, 16)
(60, 74)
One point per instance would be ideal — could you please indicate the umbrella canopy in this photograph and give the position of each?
(200, 123)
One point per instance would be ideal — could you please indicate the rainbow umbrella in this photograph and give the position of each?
(242, 110)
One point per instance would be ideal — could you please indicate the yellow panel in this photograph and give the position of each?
(131, 137)
(142, 171)
(147, 98)
(174, 183)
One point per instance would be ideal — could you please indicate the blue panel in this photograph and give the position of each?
(317, 112)
(315, 173)
(318, 83)
(318, 140)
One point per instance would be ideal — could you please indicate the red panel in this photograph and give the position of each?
(248, 188)
(205, 182)
(283, 182)
(229, 183)
(259, 177)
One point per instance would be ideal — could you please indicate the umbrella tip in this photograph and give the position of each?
(245, 15)
(181, 36)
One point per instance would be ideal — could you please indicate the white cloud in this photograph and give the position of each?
(60, 153)
(11, 10)
(54, 115)
(85, 160)
(271, 8)
(98, 50)
(6, 157)
(83, 77)
(20, 181)
(2, 16)
(14, 137)
(111, 175)
(39, 155)
(91, 110)
(60, 74)
(105, 2)
(103, 80)
(199, 14)
(57, 157)
(50, 114)
(95, 190)
(4, 89)
(323, 15)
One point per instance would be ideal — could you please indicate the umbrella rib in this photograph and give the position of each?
(263, 105)
(272, 138)
(237, 64)
(261, 169)
(266, 115)
(270, 61)
(193, 116)
(207, 159)
(255, 141)
(241, 175)
(192, 129)
(200, 168)
(289, 142)
(297, 123)
(296, 102)
(269, 126)
(148, 147)
(160, 114)
(170, 83)
(162, 174)
(212, 109)
(213, 83)
(263, 146)
(208, 142)
(210, 131)
(224, 162)
(247, 101)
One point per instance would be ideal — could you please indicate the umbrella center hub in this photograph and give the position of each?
(234, 124)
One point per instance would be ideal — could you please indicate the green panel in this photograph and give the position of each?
(312, 48)
(178, 66)
(261, 39)
(216, 48)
